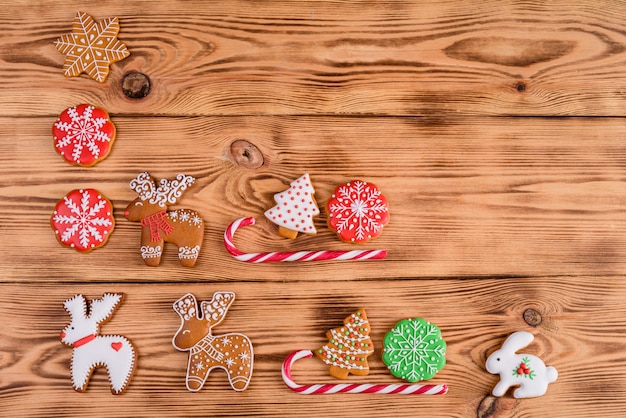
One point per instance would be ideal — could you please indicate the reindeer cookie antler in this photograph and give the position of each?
(92, 350)
(182, 227)
(231, 352)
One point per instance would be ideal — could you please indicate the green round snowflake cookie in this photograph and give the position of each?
(414, 350)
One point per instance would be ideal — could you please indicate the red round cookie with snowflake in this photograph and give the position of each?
(357, 211)
(83, 135)
(83, 220)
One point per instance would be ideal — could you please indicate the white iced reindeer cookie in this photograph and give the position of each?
(93, 350)
(523, 370)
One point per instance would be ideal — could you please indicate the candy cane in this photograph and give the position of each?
(292, 256)
(323, 389)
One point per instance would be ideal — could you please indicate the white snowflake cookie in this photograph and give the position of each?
(83, 135)
(357, 211)
(83, 220)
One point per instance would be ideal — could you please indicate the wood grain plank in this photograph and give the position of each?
(582, 334)
(480, 198)
(389, 58)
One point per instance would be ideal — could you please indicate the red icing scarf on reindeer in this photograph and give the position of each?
(157, 223)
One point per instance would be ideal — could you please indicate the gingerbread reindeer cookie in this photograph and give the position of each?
(182, 227)
(231, 352)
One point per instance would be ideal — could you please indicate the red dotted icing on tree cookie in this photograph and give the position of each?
(83, 135)
(295, 207)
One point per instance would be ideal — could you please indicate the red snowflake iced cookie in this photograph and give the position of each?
(357, 211)
(83, 135)
(83, 220)
(295, 209)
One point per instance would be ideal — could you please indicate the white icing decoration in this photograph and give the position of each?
(114, 352)
(168, 191)
(188, 252)
(507, 363)
(295, 207)
(151, 252)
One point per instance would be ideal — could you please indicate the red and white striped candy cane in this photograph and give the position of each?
(323, 389)
(292, 256)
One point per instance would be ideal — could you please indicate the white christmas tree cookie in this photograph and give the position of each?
(295, 209)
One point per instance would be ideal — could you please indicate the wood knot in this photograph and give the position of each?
(491, 407)
(521, 87)
(532, 317)
(136, 85)
(246, 154)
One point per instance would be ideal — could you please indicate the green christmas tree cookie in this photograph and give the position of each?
(414, 350)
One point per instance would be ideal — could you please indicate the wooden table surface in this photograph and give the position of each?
(495, 128)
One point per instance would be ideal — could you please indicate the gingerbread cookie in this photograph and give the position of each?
(414, 350)
(525, 370)
(83, 135)
(91, 47)
(182, 227)
(83, 220)
(348, 347)
(92, 350)
(357, 211)
(230, 352)
(295, 209)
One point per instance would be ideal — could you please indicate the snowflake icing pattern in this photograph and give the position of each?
(357, 211)
(413, 350)
(83, 219)
(83, 135)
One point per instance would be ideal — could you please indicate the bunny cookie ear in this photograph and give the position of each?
(517, 341)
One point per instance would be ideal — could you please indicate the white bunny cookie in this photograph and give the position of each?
(525, 370)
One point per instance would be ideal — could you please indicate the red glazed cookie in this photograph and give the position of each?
(83, 220)
(83, 135)
(357, 211)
